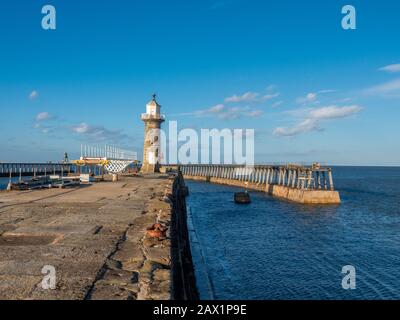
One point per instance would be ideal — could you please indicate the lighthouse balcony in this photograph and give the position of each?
(147, 116)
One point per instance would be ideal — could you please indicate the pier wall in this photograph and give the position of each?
(283, 192)
(97, 238)
(183, 276)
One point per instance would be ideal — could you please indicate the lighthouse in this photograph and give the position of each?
(152, 145)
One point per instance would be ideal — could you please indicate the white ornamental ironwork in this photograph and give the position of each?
(117, 166)
(114, 160)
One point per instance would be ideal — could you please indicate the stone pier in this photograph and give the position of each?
(96, 238)
(306, 185)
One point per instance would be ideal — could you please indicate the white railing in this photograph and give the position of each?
(109, 152)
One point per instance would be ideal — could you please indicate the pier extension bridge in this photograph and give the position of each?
(304, 184)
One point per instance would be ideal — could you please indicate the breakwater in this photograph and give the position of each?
(98, 239)
(183, 275)
(301, 184)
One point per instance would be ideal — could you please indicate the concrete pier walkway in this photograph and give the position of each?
(94, 236)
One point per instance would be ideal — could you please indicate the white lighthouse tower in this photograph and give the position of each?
(152, 145)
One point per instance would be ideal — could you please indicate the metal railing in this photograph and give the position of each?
(109, 152)
(314, 177)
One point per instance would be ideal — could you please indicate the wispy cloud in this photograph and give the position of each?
(270, 96)
(251, 97)
(41, 122)
(387, 89)
(213, 110)
(228, 113)
(98, 133)
(314, 118)
(277, 104)
(247, 97)
(334, 112)
(43, 128)
(392, 68)
(42, 116)
(255, 113)
(271, 87)
(310, 97)
(33, 95)
(303, 127)
(327, 91)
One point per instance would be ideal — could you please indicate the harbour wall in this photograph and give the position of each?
(283, 192)
(101, 239)
(183, 276)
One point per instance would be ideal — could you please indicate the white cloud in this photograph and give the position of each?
(271, 87)
(229, 113)
(98, 133)
(310, 97)
(43, 128)
(219, 108)
(33, 95)
(314, 117)
(392, 68)
(255, 113)
(386, 89)
(216, 109)
(304, 126)
(348, 99)
(327, 91)
(43, 116)
(334, 112)
(247, 97)
(81, 128)
(277, 104)
(270, 96)
(251, 97)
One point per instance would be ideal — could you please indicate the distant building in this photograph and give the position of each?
(152, 146)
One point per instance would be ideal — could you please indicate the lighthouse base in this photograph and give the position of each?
(150, 168)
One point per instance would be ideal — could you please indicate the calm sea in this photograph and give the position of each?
(274, 249)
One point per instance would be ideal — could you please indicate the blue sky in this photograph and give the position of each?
(311, 90)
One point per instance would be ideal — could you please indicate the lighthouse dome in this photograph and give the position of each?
(153, 107)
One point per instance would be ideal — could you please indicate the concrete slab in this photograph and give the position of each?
(86, 233)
